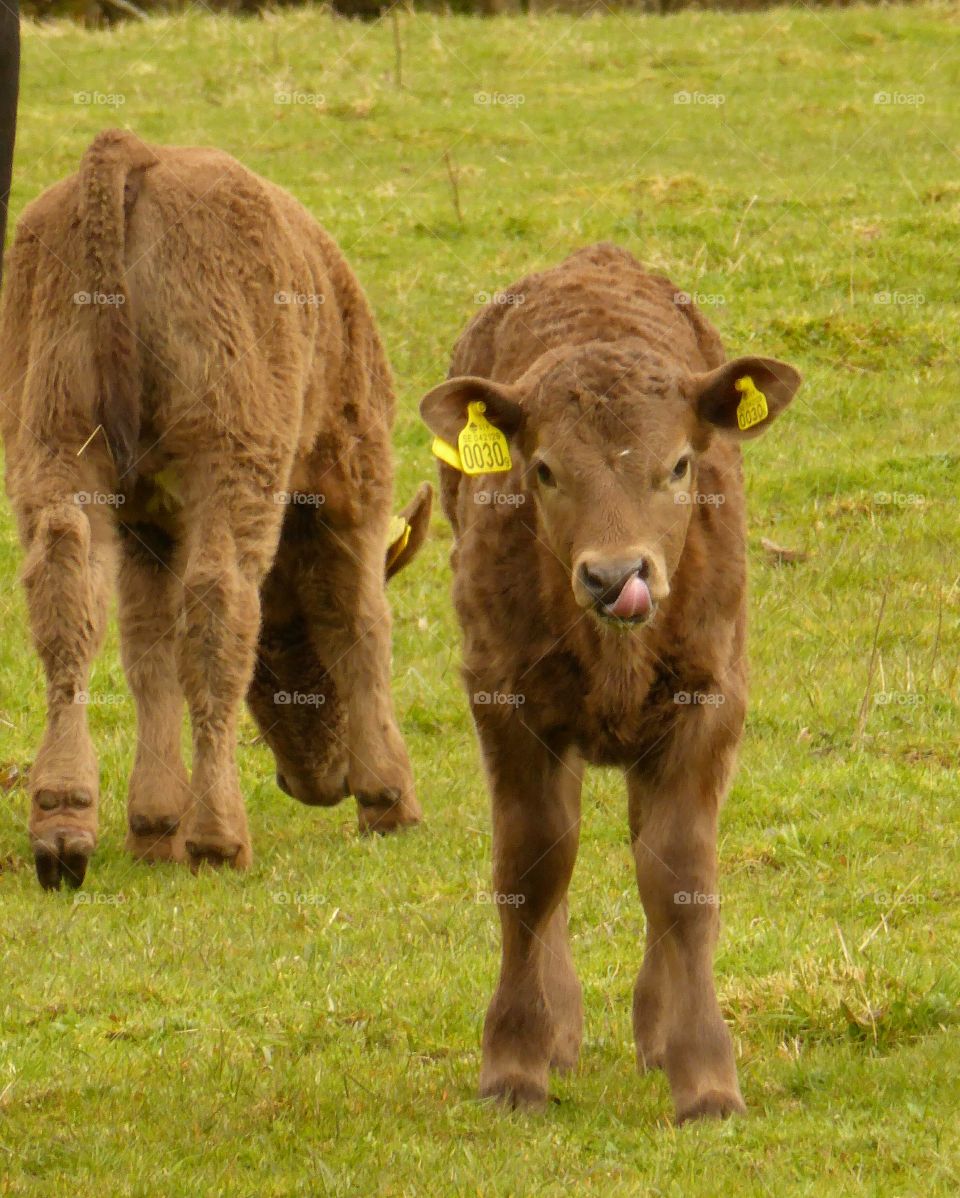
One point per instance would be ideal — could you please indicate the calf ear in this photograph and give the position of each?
(416, 524)
(444, 409)
(717, 397)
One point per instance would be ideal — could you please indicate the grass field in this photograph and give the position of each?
(313, 1026)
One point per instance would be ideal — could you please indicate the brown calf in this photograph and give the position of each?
(601, 589)
(194, 397)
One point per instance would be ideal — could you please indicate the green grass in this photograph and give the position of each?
(178, 1035)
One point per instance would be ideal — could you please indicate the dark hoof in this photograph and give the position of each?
(62, 857)
(712, 1104)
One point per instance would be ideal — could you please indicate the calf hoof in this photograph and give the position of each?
(386, 810)
(514, 1092)
(62, 836)
(212, 850)
(712, 1104)
(154, 838)
(61, 855)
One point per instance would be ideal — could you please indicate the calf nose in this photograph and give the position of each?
(617, 587)
(605, 579)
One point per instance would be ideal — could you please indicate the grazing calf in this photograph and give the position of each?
(601, 588)
(194, 398)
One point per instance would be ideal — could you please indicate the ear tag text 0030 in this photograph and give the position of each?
(752, 408)
(483, 447)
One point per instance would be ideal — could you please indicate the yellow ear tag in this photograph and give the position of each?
(446, 453)
(752, 408)
(483, 447)
(397, 537)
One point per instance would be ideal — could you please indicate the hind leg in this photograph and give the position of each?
(231, 542)
(150, 601)
(66, 577)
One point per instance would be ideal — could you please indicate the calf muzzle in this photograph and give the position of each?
(615, 588)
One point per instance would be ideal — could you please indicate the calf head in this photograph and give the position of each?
(608, 437)
(293, 696)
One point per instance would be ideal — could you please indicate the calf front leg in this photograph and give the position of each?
(349, 621)
(535, 1018)
(564, 994)
(677, 1021)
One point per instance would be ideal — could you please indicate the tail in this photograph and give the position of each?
(110, 175)
(9, 83)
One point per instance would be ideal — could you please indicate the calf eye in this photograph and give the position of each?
(545, 475)
(680, 470)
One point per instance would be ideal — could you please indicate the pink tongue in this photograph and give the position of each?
(633, 600)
